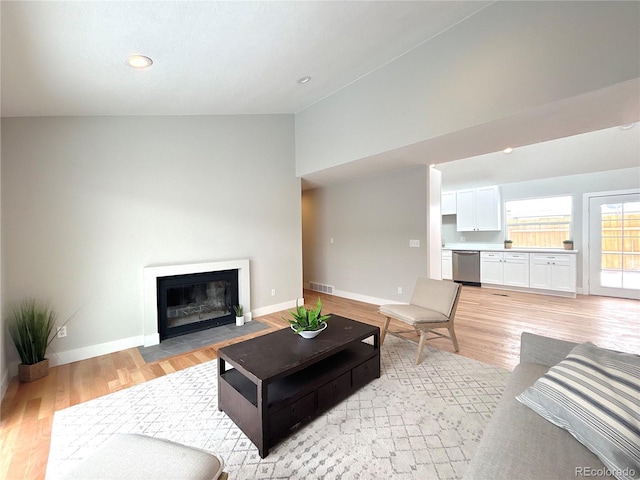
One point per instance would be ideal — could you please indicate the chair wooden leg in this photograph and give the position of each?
(383, 331)
(423, 336)
(452, 334)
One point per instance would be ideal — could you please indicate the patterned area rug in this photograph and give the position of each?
(414, 422)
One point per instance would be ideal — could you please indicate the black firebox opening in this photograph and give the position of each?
(192, 302)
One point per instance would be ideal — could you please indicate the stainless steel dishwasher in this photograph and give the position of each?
(466, 267)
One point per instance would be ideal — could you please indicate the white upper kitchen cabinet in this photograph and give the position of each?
(448, 203)
(478, 209)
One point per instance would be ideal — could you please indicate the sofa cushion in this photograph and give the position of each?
(594, 394)
(412, 314)
(519, 444)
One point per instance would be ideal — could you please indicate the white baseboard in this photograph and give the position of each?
(62, 358)
(278, 307)
(364, 298)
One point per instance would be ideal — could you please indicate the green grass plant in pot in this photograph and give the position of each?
(308, 323)
(31, 328)
(239, 309)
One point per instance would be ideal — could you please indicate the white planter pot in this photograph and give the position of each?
(239, 321)
(310, 334)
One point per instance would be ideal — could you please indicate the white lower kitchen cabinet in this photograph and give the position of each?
(508, 268)
(553, 272)
(491, 270)
(516, 269)
(447, 265)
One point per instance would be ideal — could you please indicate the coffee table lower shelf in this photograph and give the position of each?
(294, 400)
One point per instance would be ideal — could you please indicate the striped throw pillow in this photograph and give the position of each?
(594, 394)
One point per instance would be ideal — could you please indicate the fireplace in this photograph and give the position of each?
(192, 302)
(182, 296)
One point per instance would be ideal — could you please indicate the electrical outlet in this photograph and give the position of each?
(414, 243)
(273, 292)
(463, 239)
(399, 290)
(331, 240)
(62, 331)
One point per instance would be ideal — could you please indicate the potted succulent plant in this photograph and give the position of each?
(308, 323)
(508, 243)
(31, 328)
(239, 315)
(568, 244)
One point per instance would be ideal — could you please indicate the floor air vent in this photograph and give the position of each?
(319, 287)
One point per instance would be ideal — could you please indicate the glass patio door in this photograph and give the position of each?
(614, 251)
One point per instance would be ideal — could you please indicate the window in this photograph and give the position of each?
(539, 222)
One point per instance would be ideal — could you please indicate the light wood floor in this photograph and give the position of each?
(488, 327)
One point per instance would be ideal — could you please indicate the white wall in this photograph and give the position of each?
(574, 185)
(87, 202)
(509, 58)
(371, 221)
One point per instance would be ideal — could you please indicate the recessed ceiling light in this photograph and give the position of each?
(507, 150)
(305, 79)
(139, 61)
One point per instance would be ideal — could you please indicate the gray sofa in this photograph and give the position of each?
(518, 443)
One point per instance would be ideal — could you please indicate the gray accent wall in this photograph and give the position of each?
(87, 202)
(371, 221)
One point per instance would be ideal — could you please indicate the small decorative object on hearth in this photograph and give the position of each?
(508, 243)
(308, 323)
(568, 244)
(239, 315)
(31, 328)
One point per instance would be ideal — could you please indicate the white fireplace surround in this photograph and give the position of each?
(152, 273)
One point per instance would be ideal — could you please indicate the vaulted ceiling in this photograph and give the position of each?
(234, 57)
(210, 57)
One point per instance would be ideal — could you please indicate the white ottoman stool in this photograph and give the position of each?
(138, 457)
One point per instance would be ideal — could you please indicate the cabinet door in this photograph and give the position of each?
(448, 203)
(516, 272)
(491, 268)
(488, 209)
(563, 276)
(540, 274)
(466, 210)
(447, 265)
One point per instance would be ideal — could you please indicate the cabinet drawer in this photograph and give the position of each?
(516, 256)
(490, 255)
(334, 391)
(365, 372)
(561, 257)
(291, 415)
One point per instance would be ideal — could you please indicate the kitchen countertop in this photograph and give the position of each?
(496, 247)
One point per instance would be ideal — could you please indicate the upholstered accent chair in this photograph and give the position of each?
(433, 306)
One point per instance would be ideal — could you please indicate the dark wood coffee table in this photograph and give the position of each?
(281, 381)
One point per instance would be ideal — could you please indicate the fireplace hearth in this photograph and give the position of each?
(192, 302)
